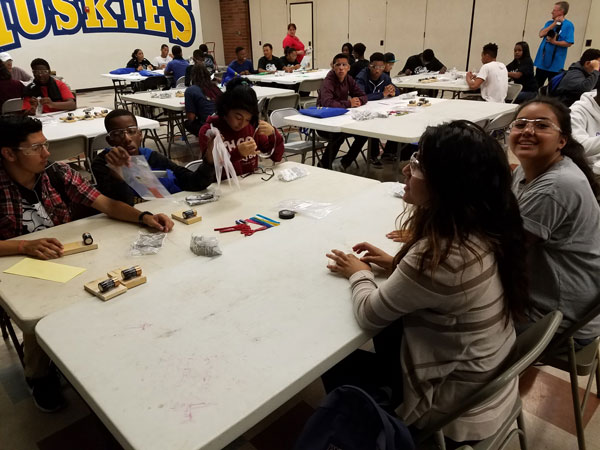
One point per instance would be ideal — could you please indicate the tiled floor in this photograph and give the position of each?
(545, 393)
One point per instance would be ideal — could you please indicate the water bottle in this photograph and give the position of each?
(39, 108)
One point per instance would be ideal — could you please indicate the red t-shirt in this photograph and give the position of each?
(65, 93)
(294, 42)
(231, 139)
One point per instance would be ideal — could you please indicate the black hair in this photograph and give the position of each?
(469, 183)
(350, 47)
(197, 54)
(291, 25)
(525, 46)
(238, 49)
(203, 48)
(428, 55)
(572, 148)
(134, 54)
(268, 45)
(14, 129)
(389, 57)
(201, 77)
(177, 52)
(238, 95)
(4, 72)
(589, 55)
(340, 56)
(289, 50)
(117, 113)
(377, 56)
(40, 62)
(491, 50)
(360, 49)
(164, 46)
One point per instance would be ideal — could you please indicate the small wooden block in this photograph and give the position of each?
(132, 282)
(179, 216)
(77, 247)
(92, 288)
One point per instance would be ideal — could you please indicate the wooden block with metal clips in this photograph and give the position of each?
(102, 289)
(188, 216)
(130, 277)
(86, 244)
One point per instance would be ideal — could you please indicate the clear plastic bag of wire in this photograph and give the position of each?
(147, 243)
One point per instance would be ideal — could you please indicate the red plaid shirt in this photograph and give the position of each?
(76, 189)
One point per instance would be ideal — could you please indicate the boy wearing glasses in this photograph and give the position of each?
(35, 195)
(339, 90)
(377, 85)
(126, 139)
(55, 95)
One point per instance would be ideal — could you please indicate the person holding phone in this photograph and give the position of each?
(244, 135)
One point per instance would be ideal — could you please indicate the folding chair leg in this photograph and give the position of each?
(522, 434)
(5, 320)
(575, 394)
(3, 327)
(597, 375)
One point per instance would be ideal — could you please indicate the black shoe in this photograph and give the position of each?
(376, 164)
(46, 392)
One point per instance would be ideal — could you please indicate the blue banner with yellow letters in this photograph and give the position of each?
(36, 19)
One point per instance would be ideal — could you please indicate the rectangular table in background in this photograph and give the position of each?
(445, 82)
(210, 346)
(291, 78)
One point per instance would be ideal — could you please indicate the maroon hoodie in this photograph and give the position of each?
(232, 138)
(335, 94)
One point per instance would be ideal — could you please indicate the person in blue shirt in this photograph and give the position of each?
(557, 36)
(377, 85)
(177, 66)
(242, 65)
(200, 98)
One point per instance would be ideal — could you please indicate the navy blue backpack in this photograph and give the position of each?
(349, 419)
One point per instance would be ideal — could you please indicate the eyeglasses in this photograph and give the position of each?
(372, 66)
(539, 125)
(35, 149)
(265, 170)
(41, 72)
(120, 133)
(341, 65)
(415, 167)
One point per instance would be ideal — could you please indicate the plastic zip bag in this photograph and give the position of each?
(293, 173)
(316, 210)
(221, 158)
(141, 179)
(147, 243)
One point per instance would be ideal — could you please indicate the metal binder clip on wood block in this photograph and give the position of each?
(130, 277)
(93, 288)
(187, 216)
(86, 244)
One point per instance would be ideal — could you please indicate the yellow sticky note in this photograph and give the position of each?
(44, 270)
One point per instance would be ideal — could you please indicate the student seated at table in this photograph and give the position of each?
(177, 66)
(374, 82)
(9, 88)
(389, 59)
(55, 95)
(492, 78)
(125, 139)
(423, 62)
(339, 90)
(521, 71)
(16, 73)
(268, 62)
(348, 49)
(244, 136)
(290, 60)
(585, 120)
(556, 191)
(241, 65)
(36, 194)
(209, 61)
(160, 62)
(200, 99)
(360, 62)
(582, 76)
(446, 310)
(197, 59)
(138, 62)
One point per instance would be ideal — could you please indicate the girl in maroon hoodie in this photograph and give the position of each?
(243, 134)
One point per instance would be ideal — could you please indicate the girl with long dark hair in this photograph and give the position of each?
(520, 70)
(200, 98)
(456, 284)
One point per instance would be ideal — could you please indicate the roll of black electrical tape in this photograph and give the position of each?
(286, 214)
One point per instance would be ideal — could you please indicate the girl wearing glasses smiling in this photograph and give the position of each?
(456, 285)
(557, 194)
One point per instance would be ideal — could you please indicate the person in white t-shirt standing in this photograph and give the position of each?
(492, 78)
(164, 58)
